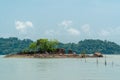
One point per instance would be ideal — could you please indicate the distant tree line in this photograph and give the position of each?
(90, 46)
(15, 45)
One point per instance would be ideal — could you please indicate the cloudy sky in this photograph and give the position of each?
(65, 20)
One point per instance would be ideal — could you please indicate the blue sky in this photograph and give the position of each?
(65, 20)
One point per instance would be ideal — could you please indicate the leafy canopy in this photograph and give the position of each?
(43, 45)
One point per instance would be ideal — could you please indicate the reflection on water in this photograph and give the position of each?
(60, 69)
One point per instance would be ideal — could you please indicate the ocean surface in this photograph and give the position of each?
(60, 69)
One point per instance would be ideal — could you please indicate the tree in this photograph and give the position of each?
(52, 45)
(91, 46)
(33, 46)
(13, 45)
(43, 45)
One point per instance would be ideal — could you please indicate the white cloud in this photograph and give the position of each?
(86, 28)
(49, 32)
(30, 24)
(104, 33)
(67, 29)
(66, 23)
(73, 31)
(22, 26)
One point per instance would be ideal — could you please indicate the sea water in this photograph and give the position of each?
(60, 68)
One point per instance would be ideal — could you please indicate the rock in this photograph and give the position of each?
(70, 52)
(60, 51)
(97, 54)
(82, 55)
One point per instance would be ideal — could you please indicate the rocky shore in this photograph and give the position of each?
(59, 53)
(36, 55)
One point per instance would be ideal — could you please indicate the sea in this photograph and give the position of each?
(106, 68)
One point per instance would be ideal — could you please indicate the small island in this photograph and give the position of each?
(44, 48)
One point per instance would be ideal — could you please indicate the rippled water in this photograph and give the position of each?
(60, 69)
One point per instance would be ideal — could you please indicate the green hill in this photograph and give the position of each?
(13, 45)
(90, 46)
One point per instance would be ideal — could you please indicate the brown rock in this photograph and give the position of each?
(70, 52)
(98, 54)
(60, 51)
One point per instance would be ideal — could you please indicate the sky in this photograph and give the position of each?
(65, 20)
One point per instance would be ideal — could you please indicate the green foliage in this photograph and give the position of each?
(33, 47)
(52, 45)
(91, 46)
(43, 45)
(13, 45)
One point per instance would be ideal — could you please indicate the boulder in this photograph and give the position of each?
(97, 54)
(70, 52)
(60, 51)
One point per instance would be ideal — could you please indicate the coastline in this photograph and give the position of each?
(50, 56)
